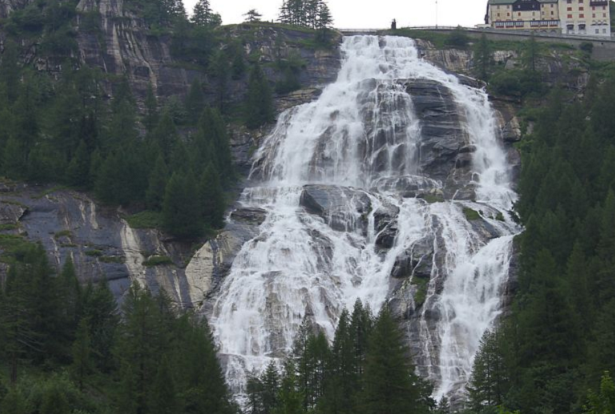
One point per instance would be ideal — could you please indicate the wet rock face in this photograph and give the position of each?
(342, 208)
(443, 145)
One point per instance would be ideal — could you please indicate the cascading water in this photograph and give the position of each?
(338, 179)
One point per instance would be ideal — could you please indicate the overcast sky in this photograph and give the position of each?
(366, 14)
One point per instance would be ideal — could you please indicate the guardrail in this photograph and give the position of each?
(490, 30)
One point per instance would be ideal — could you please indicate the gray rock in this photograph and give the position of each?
(255, 216)
(11, 212)
(342, 208)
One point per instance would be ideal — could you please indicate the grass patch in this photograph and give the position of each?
(432, 198)
(9, 227)
(112, 259)
(471, 215)
(420, 296)
(158, 261)
(145, 220)
(13, 247)
(94, 253)
(63, 233)
(14, 203)
(50, 191)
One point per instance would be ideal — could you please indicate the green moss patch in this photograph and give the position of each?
(420, 296)
(158, 261)
(471, 215)
(145, 220)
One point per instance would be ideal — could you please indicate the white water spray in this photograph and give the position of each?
(361, 140)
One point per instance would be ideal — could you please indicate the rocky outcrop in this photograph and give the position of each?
(103, 245)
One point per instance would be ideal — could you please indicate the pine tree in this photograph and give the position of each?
(82, 361)
(195, 102)
(290, 400)
(202, 13)
(284, 16)
(164, 396)
(78, 172)
(391, 386)
(211, 199)
(14, 402)
(342, 381)
(151, 109)
(219, 67)
(483, 58)
(324, 22)
(158, 180)
(9, 71)
(259, 99)
(489, 375)
(253, 16)
(181, 210)
(99, 308)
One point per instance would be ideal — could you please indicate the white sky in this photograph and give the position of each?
(366, 14)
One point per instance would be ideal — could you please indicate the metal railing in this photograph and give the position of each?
(491, 30)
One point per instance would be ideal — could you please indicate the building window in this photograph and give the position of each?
(569, 8)
(603, 30)
(581, 16)
(597, 31)
(570, 16)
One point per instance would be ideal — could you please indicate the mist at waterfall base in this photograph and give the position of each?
(361, 140)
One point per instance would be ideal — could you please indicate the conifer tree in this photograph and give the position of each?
(82, 362)
(9, 71)
(14, 402)
(151, 109)
(342, 381)
(181, 211)
(204, 16)
(220, 68)
(483, 58)
(489, 374)
(158, 180)
(195, 102)
(391, 386)
(259, 103)
(253, 16)
(290, 400)
(211, 199)
(164, 394)
(101, 312)
(78, 172)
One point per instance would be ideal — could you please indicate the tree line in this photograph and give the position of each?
(67, 348)
(366, 369)
(558, 342)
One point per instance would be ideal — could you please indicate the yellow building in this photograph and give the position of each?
(580, 17)
(585, 17)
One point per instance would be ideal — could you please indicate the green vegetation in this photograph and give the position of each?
(158, 261)
(422, 285)
(63, 233)
(471, 215)
(65, 349)
(145, 220)
(94, 253)
(366, 369)
(558, 342)
(9, 227)
(433, 198)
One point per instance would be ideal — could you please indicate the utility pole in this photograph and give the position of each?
(436, 14)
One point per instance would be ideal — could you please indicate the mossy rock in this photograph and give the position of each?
(471, 215)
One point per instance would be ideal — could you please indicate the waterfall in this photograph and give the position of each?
(351, 212)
